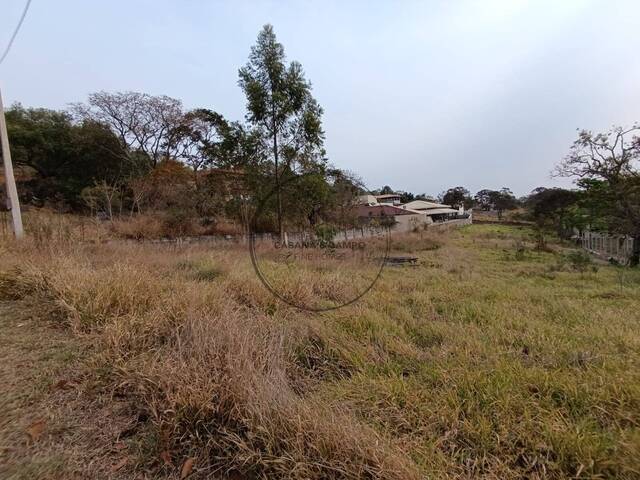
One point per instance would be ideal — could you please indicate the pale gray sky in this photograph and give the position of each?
(420, 95)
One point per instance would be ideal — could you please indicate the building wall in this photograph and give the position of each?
(367, 200)
(452, 223)
(406, 223)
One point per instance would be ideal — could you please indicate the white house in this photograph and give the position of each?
(435, 211)
(423, 205)
(407, 216)
(367, 200)
(389, 199)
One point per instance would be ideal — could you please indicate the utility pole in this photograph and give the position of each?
(9, 181)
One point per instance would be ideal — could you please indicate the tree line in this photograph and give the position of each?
(130, 153)
(486, 199)
(605, 167)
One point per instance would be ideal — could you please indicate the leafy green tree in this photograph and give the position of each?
(40, 138)
(204, 138)
(66, 157)
(406, 197)
(346, 188)
(553, 208)
(498, 200)
(607, 164)
(424, 196)
(483, 199)
(503, 200)
(282, 110)
(457, 196)
(306, 199)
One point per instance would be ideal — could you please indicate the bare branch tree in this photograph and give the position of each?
(142, 122)
(609, 156)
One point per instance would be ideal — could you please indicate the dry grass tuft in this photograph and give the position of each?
(197, 341)
(475, 364)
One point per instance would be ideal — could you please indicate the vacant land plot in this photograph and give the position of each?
(488, 360)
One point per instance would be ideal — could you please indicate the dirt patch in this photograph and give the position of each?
(55, 424)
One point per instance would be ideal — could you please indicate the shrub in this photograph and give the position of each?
(179, 223)
(581, 261)
(325, 233)
(213, 373)
(520, 250)
(139, 227)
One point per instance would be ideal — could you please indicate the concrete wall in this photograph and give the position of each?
(452, 223)
(618, 247)
(408, 223)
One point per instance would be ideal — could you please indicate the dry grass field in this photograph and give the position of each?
(487, 360)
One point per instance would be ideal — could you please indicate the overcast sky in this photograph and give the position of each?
(420, 96)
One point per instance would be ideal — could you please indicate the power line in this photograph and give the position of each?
(15, 33)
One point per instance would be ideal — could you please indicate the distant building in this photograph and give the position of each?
(391, 215)
(367, 200)
(437, 212)
(389, 199)
(423, 205)
(388, 209)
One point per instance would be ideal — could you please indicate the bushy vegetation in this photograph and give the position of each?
(487, 360)
(126, 155)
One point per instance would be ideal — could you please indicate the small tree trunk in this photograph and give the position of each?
(108, 195)
(278, 199)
